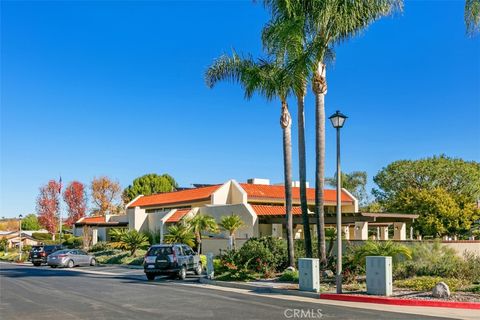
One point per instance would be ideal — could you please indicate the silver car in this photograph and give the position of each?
(70, 258)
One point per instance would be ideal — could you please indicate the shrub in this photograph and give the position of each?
(265, 254)
(427, 283)
(153, 236)
(73, 242)
(100, 246)
(289, 276)
(134, 240)
(398, 252)
(203, 260)
(41, 236)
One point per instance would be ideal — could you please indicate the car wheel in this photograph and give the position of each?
(182, 274)
(198, 269)
(150, 276)
(36, 264)
(93, 262)
(70, 264)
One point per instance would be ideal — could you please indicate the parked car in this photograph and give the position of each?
(70, 258)
(39, 254)
(171, 259)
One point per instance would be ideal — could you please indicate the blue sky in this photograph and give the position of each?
(116, 88)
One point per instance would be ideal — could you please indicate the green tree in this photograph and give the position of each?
(30, 222)
(440, 214)
(472, 16)
(355, 182)
(132, 240)
(201, 223)
(461, 179)
(231, 224)
(326, 23)
(179, 234)
(273, 80)
(3, 244)
(149, 184)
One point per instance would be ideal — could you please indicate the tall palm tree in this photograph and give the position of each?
(472, 16)
(272, 80)
(200, 223)
(231, 224)
(286, 36)
(326, 23)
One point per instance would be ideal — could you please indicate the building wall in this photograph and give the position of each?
(215, 245)
(243, 210)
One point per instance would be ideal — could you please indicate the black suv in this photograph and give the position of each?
(39, 254)
(171, 259)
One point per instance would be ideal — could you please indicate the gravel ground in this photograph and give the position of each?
(409, 294)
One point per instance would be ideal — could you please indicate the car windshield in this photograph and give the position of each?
(50, 248)
(37, 249)
(160, 251)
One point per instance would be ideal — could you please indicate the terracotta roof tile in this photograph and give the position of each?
(93, 220)
(262, 191)
(263, 210)
(188, 195)
(178, 215)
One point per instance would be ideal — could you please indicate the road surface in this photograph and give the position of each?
(29, 292)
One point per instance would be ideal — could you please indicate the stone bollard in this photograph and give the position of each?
(379, 276)
(309, 274)
(210, 269)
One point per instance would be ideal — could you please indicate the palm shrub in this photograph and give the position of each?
(133, 240)
(231, 224)
(179, 234)
(201, 223)
(381, 248)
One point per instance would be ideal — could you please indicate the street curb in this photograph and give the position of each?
(400, 302)
(260, 289)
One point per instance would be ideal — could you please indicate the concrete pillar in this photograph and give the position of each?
(94, 236)
(399, 231)
(352, 233)
(361, 230)
(383, 233)
(277, 230)
(411, 232)
(298, 232)
(378, 233)
(346, 232)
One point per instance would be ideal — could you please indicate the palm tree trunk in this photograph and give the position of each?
(199, 242)
(285, 122)
(319, 86)
(302, 165)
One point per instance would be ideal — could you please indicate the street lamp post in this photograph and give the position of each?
(338, 119)
(20, 237)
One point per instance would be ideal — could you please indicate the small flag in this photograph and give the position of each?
(60, 185)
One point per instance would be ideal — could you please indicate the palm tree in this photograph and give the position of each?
(286, 37)
(327, 23)
(179, 234)
(133, 240)
(472, 16)
(382, 248)
(199, 224)
(272, 80)
(231, 224)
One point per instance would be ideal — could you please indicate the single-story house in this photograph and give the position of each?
(13, 239)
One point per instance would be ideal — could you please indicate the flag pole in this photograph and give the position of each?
(60, 210)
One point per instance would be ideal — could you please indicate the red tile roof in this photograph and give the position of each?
(262, 191)
(263, 210)
(178, 215)
(87, 220)
(189, 195)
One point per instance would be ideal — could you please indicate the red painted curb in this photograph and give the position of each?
(400, 302)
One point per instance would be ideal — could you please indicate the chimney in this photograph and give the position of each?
(258, 181)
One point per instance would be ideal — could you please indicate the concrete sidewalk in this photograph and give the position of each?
(276, 291)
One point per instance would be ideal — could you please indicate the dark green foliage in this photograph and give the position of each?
(73, 242)
(99, 246)
(355, 182)
(426, 283)
(30, 222)
(149, 184)
(41, 236)
(289, 276)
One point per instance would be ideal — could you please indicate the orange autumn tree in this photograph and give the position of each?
(48, 202)
(76, 200)
(105, 196)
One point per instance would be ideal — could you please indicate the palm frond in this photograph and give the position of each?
(472, 16)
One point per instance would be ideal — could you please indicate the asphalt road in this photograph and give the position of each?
(116, 293)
